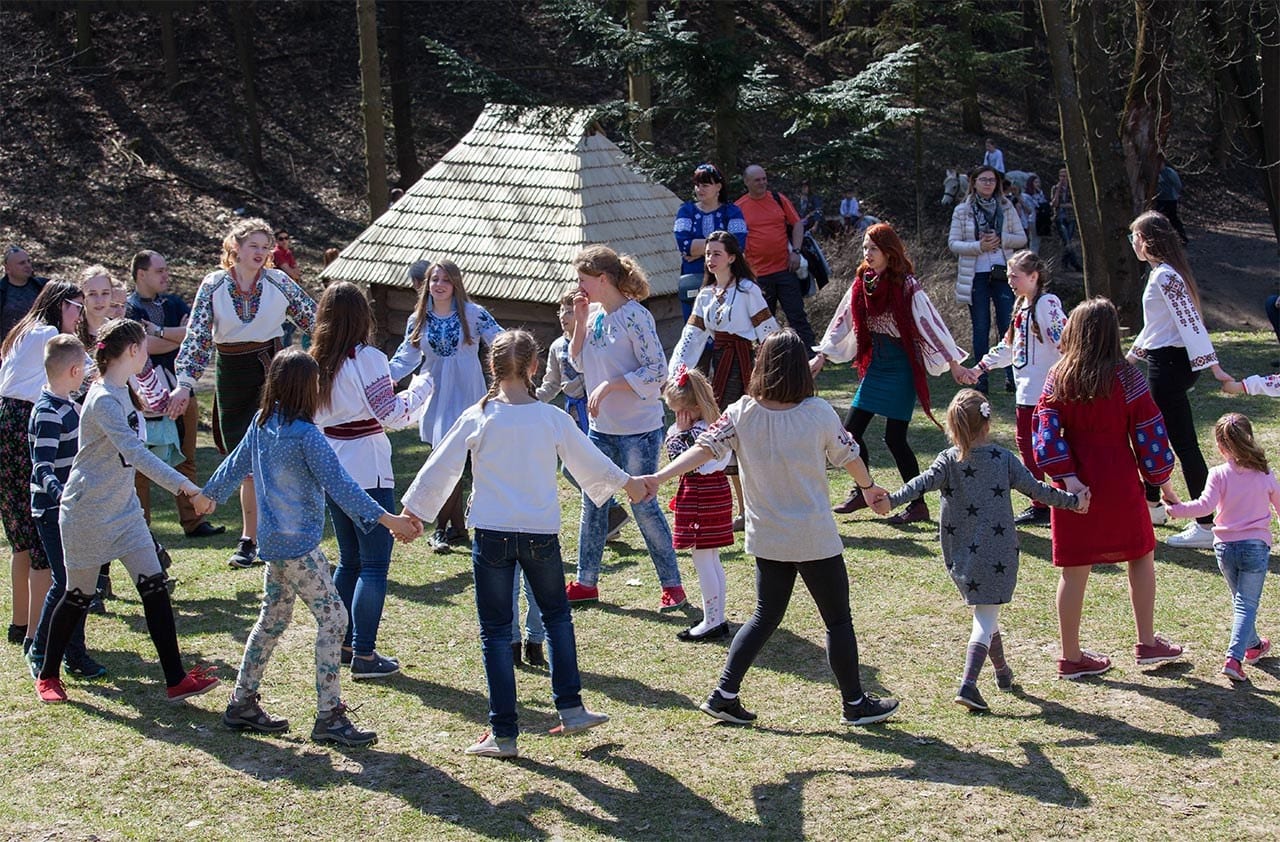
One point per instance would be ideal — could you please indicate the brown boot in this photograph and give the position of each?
(851, 503)
(914, 513)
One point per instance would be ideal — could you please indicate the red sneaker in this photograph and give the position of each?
(1233, 670)
(672, 598)
(1089, 664)
(50, 690)
(1156, 653)
(198, 680)
(579, 593)
(1256, 653)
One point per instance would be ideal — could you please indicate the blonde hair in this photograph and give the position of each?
(60, 353)
(513, 354)
(622, 270)
(1234, 434)
(241, 231)
(90, 272)
(1029, 262)
(694, 393)
(966, 423)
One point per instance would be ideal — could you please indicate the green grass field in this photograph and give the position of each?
(1175, 752)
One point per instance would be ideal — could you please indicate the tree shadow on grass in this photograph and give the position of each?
(436, 591)
(233, 615)
(635, 692)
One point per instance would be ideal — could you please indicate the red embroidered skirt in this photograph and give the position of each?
(704, 512)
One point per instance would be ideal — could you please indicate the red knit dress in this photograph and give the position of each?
(703, 504)
(1111, 444)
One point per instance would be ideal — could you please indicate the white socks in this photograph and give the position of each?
(711, 581)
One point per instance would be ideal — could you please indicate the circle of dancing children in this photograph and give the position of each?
(1030, 347)
(358, 403)
(976, 529)
(1241, 495)
(57, 309)
(895, 336)
(1096, 425)
(101, 518)
(443, 337)
(784, 436)
(515, 517)
(616, 347)
(295, 469)
(729, 312)
(703, 504)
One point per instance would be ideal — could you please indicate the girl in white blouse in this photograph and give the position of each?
(358, 403)
(1176, 346)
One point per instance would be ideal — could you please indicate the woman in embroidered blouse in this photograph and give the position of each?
(616, 347)
(357, 403)
(443, 336)
(730, 311)
(238, 311)
(709, 211)
(895, 336)
(1176, 346)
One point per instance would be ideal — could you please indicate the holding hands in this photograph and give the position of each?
(200, 503)
(638, 490)
(406, 527)
(1083, 497)
(878, 499)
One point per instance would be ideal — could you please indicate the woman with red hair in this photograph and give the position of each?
(890, 330)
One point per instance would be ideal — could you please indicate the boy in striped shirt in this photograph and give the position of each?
(54, 434)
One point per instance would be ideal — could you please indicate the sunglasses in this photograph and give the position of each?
(282, 238)
(75, 304)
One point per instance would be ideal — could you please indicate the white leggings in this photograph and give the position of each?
(986, 622)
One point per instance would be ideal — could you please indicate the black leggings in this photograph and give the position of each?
(828, 584)
(1169, 375)
(895, 438)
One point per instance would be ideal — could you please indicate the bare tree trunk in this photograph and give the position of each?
(1071, 120)
(242, 26)
(638, 90)
(84, 35)
(970, 111)
(1148, 102)
(375, 151)
(1031, 88)
(401, 95)
(724, 121)
(1268, 29)
(168, 44)
(917, 128)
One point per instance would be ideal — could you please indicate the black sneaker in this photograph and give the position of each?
(457, 537)
(618, 518)
(1032, 516)
(246, 554)
(247, 715)
(336, 727)
(727, 710)
(1004, 679)
(868, 710)
(969, 697)
(439, 542)
(376, 667)
(533, 654)
(17, 634)
(345, 657)
(96, 605)
(83, 667)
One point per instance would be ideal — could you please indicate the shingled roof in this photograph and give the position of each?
(512, 203)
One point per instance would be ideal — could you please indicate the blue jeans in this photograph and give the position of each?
(534, 630)
(361, 577)
(51, 540)
(988, 294)
(637, 455)
(1244, 566)
(494, 556)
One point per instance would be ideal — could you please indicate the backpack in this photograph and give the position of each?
(810, 251)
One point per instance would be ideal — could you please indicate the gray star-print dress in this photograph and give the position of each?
(979, 540)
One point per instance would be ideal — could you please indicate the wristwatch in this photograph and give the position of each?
(158, 333)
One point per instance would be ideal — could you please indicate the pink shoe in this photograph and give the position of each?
(1089, 664)
(1256, 653)
(198, 680)
(579, 593)
(1156, 653)
(672, 598)
(1233, 670)
(50, 690)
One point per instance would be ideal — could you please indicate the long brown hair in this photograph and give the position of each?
(781, 372)
(622, 270)
(739, 268)
(1160, 241)
(422, 311)
(292, 387)
(45, 310)
(512, 355)
(344, 320)
(1090, 352)
(1234, 434)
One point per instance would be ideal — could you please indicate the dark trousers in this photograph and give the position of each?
(1273, 313)
(895, 438)
(1170, 376)
(1169, 207)
(785, 288)
(828, 584)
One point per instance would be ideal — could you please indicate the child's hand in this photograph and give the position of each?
(597, 395)
(1082, 500)
(684, 419)
(406, 528)
(651, 486)
(878, 499)
(202, 505)
(637, 489)
(1233, 387)
(816, 364)
(972, 376)
(1168, 495)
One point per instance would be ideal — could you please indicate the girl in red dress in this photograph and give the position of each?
(703, 504)
(1095, 423)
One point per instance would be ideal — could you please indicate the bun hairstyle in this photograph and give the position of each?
(1233, 433)
(235, 238)
(622, 270)
(344, 320)
(968, 416)
(292, 387)
(690, 389)
(513, 354)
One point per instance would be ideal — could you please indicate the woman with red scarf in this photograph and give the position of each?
(893, 334)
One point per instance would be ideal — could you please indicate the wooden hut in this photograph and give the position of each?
(511, 204)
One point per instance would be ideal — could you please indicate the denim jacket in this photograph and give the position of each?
(293, 468)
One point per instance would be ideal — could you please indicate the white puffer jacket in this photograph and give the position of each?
(963, 242)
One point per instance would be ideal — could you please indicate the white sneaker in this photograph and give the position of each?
(1159, 515)
(1196, 536)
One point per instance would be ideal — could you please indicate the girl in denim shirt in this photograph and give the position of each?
(295, 468)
